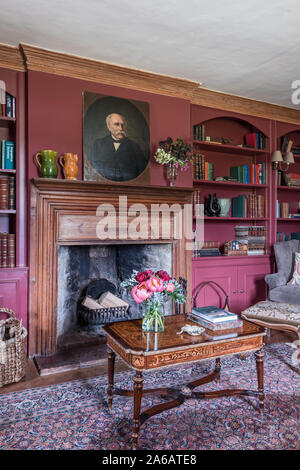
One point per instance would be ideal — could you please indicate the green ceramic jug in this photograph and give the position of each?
(48, 166)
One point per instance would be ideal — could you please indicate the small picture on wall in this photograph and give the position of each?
(116, 138)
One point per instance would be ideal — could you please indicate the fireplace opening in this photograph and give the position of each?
(80, 266)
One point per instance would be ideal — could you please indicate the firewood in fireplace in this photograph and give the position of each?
(108, 300)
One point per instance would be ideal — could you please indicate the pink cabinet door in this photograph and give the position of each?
(251, 286)
(210, 295)
(13, 292)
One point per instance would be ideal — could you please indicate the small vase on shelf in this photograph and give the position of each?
(172, 173)
(225, 204)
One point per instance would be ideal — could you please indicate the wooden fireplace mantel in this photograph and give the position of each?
(65, 213)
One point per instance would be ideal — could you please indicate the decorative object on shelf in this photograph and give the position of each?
(225, 140)
(153, 289)
(175, 154)
(69, 164)
(277, 159)
(226, 178)
(235, 248)
(212, 207)
(192, 330)
(48, 167)
(225, 204)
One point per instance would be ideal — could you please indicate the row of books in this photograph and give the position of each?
(293, 179)
(257, 140)
(206, 248)
(7, 192)
(255, 173)
(202, 170)
(199, 132)
(7, 104)
(254, 236)
(281, 236)
(283, 209)
(251, 205)
(214, 318)
(7, 155)
(7, 250)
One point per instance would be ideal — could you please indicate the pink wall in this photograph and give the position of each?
(55, 112)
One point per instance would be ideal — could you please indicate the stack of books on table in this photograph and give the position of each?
(214, 318)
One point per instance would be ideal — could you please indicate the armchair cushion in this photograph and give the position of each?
(288, 294)
(274, 313)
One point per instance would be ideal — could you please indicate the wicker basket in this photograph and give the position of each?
(12, 349)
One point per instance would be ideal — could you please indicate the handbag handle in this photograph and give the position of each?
(205, 283)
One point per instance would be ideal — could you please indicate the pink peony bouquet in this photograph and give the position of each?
(150, 287)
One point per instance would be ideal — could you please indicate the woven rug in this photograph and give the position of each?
(74, 415)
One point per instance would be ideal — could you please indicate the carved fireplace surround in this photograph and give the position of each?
(64, 213)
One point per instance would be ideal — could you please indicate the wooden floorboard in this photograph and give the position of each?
(32, 378)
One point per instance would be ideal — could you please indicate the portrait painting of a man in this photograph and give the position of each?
(116, 138)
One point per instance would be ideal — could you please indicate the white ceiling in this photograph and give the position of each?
(248, 48)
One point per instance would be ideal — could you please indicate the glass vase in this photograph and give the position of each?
(154, 319)
(172, 173)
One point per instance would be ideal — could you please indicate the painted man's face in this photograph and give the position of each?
(117, 126)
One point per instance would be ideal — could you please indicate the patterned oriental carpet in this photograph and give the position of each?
(74, 415)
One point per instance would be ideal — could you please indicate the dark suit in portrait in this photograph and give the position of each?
(123, 164)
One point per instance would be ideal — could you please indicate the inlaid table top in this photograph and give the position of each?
(142, 350)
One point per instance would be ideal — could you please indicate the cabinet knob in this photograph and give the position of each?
(234, 292)
(241, 291)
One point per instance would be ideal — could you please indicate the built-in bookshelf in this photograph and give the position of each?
(287, 189)
(7, 191)
(11, 219)
(227, 166)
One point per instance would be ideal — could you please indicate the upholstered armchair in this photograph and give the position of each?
(279, 290)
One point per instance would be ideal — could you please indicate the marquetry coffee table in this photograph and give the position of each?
(151, 351)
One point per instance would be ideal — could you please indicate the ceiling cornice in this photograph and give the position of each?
(239, 104)
(11, 58)
(67, 65)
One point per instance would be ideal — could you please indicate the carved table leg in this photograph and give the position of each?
(259, 355)
(137, 397)
(111, 370)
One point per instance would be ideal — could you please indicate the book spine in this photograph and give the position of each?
(9, 163)
(3, 251)
(3, 192)
(8, 105)
(11, 250)
(11, 193)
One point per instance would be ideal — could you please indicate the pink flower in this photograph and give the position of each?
(140, 293)
(170, 287)
(155, 284)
